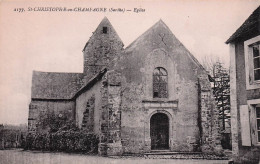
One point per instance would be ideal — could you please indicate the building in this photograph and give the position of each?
(245, 90)
(150, 95)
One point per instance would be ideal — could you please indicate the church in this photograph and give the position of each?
(150, 95)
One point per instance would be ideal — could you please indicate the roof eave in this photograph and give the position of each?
(248, 25)
(90, 83)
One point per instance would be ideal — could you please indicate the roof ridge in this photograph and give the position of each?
(58, 72)
(250, 21)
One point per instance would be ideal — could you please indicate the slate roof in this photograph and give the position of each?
(50, 85)
(249, 29)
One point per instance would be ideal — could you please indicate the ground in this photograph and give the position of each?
(32, 157)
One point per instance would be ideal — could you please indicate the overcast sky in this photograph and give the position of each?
(53, 41)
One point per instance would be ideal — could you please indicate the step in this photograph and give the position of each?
(168, 152)
(160, 150)
(182, 155)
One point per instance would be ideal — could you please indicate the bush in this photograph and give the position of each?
(59, 133)
(28, 145)
(66, 141)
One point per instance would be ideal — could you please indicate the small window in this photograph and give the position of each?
(105, 30)
(256, 60)
(258, 123)
(160, 88)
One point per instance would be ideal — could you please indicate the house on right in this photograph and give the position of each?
(245, 90)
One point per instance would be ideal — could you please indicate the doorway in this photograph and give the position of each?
(159, 131)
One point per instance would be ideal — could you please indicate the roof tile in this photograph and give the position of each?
(250, 28)
(50, 85)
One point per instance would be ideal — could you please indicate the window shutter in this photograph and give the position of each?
(253, 124)
(245, 125)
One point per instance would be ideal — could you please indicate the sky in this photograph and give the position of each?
(53, 41)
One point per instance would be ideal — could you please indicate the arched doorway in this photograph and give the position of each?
(159, 131)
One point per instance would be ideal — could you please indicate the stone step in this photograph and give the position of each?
(160, 150)
(168, 152)
(183, 155)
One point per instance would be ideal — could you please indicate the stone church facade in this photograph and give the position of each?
(151, 95)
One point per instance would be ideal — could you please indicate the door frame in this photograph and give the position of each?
(172, 129)
(168, 132)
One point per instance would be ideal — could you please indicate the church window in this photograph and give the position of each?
(105, 30)
(160, 79)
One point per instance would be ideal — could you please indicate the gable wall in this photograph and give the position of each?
(101, 49)
(136, 66)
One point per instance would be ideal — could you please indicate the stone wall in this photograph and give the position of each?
(101, 49)
(133, 119)
(90, 100)
(110, 138)
(121, 104)
(40, 108)
(208, 119)
(88, 115)
(158, 47)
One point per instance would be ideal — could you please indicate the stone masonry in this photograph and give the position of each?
(209, 122)
(101, 49)
(110, 139)
(115, 96)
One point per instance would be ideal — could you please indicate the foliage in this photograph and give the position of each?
(52, 122)
(12, 136)
(221, 92)
(67, 141)
(221, 88)
(59, 133)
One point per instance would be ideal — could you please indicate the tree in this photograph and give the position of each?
(220, 87)
(221, 92)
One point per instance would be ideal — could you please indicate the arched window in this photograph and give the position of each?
(160, 88)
